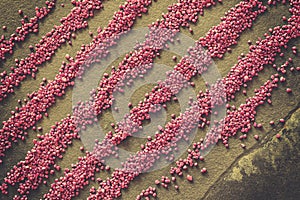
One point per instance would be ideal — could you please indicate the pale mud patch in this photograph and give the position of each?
(270, 171)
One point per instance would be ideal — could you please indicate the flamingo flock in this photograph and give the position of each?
(40, 164)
